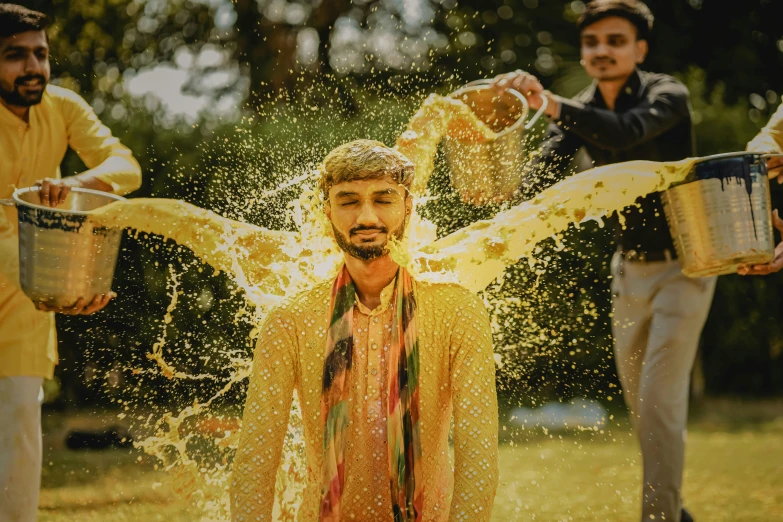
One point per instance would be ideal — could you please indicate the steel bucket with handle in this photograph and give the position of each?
(62, 255)
(721, 217)
(490, 170)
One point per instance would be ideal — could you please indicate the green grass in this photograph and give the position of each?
(733, 473)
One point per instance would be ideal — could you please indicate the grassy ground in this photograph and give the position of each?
(734, 471)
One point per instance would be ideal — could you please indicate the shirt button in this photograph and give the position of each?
(376, 319)
(374, 371)
(374, 346)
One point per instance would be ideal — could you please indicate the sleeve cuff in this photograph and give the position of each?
(569, 110)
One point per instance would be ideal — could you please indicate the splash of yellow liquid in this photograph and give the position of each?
(477, 254)
(269, 264)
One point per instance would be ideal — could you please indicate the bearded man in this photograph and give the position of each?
(38, 123)
(380, 363)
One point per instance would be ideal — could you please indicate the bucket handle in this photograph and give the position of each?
(545, 101)
(7, 202)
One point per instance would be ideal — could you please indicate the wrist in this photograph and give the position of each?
(553, 105)
(74, 182)
(89, 181)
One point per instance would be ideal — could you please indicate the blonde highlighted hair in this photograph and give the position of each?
(361, 160)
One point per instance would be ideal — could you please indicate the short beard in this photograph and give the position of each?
(15, 98)
(367, 253)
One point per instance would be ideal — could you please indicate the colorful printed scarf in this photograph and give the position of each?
(403, 402)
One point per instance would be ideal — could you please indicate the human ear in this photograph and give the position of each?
(641, 50)
(328, 210)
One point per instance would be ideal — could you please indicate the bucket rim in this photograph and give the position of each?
(480, 85)
(20, 202)
(725, 155)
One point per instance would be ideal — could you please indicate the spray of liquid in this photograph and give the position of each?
(269, 264)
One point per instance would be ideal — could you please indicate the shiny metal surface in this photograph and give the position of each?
(717, 224)
(492, 167)
(62, 255)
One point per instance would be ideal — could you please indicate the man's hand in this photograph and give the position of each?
(82, 306)
(54, 191)
(529, 86)
(777, 262)
(775, 168)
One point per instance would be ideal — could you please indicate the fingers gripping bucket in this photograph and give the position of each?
(62, 255)
(492, 167)
(720, 217)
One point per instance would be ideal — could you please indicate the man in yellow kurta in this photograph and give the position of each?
(38, 122)
(381, 365)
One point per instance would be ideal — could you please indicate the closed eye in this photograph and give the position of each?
(617, 41)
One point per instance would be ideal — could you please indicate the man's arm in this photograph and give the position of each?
(111, 165)
(475, 414)
(265, 420)
(665, 106)
(770, 140)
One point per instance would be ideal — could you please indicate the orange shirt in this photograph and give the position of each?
(30, 152)
(456, 382)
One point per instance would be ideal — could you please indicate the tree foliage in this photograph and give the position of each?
(308, 74)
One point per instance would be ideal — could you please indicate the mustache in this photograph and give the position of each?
(602, 59)
(360, 228)
(40, 77)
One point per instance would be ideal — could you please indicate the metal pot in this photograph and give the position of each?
(491, 167)
(62, 255)
(720, 217)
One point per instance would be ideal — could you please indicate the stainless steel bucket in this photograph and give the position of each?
(62, 255)
(720, 217)
(492, 168)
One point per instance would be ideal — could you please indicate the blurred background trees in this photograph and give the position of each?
(220, 99)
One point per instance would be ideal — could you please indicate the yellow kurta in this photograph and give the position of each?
(30, 152)
(770, 138)
(457, 377)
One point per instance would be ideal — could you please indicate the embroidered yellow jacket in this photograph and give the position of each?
(457, 381)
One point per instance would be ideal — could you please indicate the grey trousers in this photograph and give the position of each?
(658, 317)
(20, 447)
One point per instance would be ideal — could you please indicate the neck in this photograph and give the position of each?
(23, 113)
(371, 277)
(610, 90)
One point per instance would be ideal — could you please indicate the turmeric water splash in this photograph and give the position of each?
(269, 264)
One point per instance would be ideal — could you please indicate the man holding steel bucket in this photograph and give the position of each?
(628, 114)
(38, 122)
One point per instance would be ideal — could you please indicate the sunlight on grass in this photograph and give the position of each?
(733, 473)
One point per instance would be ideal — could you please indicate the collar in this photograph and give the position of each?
(386, 296)
(628, 93)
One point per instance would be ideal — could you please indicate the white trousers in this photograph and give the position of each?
(20, 447)
(658, 317)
